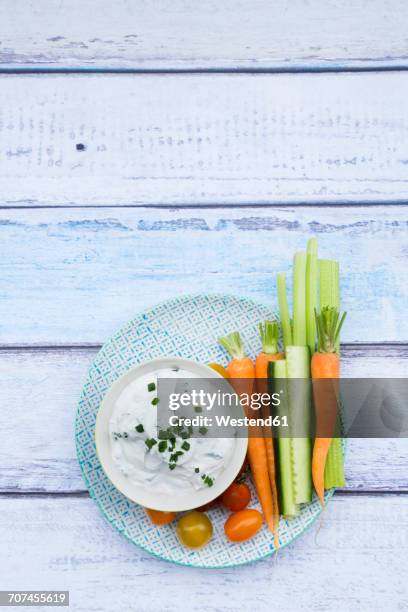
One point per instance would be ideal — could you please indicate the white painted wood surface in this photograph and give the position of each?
(207, 138)
(177, 35)
(354, 560)
(86, 272)
(39, 390)
(71, 277)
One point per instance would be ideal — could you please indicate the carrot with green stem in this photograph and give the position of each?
(241, 371)
(325, 365)
(269, 332)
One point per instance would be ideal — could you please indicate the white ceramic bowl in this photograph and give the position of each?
(144, 495)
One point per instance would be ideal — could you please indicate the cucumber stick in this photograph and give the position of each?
(298, 369)
(284, 456)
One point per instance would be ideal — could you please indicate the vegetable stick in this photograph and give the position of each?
(311, 293)
(269, 331)
(284, 310)
(242, 372)
(330, 296)
(326, 366)
(284, 455)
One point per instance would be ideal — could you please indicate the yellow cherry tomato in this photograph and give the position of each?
(219, 368)
(194, 529)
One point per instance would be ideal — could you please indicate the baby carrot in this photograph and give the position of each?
(325, 365)
(242, 372)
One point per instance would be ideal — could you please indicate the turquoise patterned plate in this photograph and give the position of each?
(185, 327)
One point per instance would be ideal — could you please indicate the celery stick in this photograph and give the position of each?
(298, 368)
(284, 455)
(311, 293)
(284, 310)
(299, 299)
(330, 296)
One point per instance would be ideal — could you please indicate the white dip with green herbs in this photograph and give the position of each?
(148, 455)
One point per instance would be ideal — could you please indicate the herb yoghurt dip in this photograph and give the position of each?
(159, 458)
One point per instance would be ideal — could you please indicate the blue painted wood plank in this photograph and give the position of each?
(73, 276)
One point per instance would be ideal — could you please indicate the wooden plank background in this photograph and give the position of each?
(229, 35)
(203, 139)
(244, 128)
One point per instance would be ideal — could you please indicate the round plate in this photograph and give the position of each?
(184, 327)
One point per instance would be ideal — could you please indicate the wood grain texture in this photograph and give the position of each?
(39, 390)
(174, 34)
(355, 562)
(74, 276)
(203, 139)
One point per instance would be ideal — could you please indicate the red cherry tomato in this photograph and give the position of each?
(243, 525)
(236, 497)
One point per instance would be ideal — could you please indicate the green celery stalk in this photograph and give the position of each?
(330, 296)
(284, 309)
(284, 455)
(297, 369)
(299, 299)
(311, 293)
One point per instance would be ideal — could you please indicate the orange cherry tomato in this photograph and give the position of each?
(243, 525)
(236, 497)
(160, 518)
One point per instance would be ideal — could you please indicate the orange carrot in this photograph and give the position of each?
(242, 372)
(325, 365)
(269, 331)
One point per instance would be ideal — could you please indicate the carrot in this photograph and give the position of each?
(242, 372)
(325, 365)
(269, 331)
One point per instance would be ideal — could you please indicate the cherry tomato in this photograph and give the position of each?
(160, 518)
(243, 525)
(236, 497)
(194, 529)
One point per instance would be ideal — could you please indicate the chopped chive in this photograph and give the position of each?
(198, 409)
(197, 470)
(172, 466)
(184, 435)
(150, 442)
(155, 401)
(209, 481)
(163, 435)
(190, 429)
(139, 428)
(174, 457)
(162, 446)
(185, 446)
(151, 386)
(203, 430)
